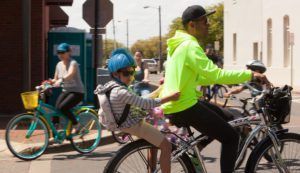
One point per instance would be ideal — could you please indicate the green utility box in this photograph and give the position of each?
(81, 52)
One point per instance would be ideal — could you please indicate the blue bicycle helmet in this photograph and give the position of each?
(63, 47)
(120, 58)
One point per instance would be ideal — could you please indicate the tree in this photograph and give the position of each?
(108, 47)
(150, 47)
(216, 28)
(175, 25)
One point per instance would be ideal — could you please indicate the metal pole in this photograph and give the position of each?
(96, 45)
(26, 15)
(114, 32)
(160, 41)
(292, 73)
(127, 33)
(105, 45)
(96, 33)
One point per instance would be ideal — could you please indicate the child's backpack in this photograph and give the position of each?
(106, 116)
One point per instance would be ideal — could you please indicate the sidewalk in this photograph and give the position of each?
(106, 138)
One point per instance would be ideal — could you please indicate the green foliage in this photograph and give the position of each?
(175, 25)
(108, 47)
(216, 28)
(150, 46)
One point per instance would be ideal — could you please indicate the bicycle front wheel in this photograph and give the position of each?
(138, 156)
(89, 135)
(26, 137)
(290, 154)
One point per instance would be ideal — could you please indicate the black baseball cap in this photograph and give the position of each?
(194, 12)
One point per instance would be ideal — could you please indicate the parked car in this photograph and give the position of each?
(106, 63)
(152, 65)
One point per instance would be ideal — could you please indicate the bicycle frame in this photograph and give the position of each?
(260, 123)
(46, 112)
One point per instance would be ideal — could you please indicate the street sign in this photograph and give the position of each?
(100, 30)
(104, 14)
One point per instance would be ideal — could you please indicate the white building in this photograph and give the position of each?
(268, 30)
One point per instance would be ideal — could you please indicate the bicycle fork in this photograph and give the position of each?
(31, 127)
(197, 151)
(276, 157)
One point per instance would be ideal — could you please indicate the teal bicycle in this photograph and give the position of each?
(27, 134)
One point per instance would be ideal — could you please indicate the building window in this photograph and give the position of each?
(269, 42)
(255, 50)
(286, 41)
(234, 47)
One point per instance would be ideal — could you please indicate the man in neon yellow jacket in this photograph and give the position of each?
(188, 67)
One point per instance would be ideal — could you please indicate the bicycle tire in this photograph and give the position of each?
(261, 135)
(125, 153)
(21, 146)
(120, 137)
(256, 164)
(242, 142)
(86, 141)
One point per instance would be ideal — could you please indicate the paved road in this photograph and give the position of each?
(57, 160)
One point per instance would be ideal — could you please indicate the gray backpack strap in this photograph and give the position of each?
(125, 111)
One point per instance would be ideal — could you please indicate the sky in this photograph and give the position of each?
(142, 23)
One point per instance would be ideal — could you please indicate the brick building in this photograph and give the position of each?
(23, 31)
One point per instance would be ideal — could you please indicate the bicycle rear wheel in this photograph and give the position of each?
(136, 157)
(89, 135)
(290, 154)
(26, 137)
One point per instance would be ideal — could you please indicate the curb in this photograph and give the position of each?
(64, 147)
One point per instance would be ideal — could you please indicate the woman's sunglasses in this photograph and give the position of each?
(128, 73)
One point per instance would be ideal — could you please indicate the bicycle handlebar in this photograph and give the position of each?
(253, 89)
(44, 87)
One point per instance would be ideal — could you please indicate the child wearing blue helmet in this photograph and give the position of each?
(122, 69)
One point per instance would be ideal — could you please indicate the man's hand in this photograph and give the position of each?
(262, 77)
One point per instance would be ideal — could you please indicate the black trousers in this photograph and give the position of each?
(211, 120)
(65, 102)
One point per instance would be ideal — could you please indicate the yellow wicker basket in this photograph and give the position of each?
(30, 99)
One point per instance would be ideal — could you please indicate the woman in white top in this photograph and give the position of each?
(67, 75)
